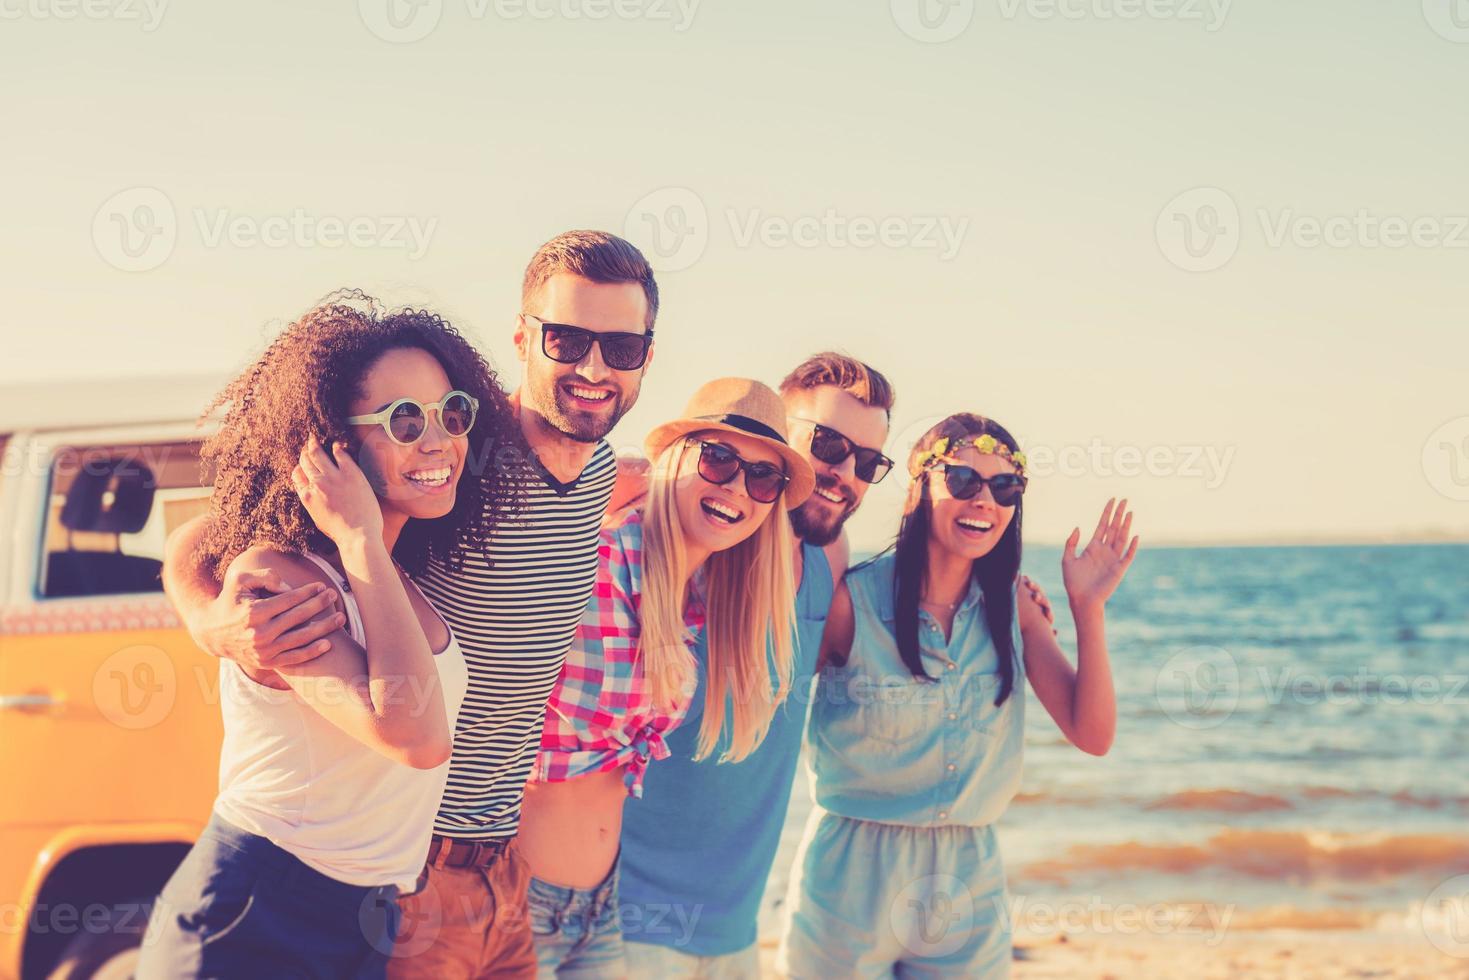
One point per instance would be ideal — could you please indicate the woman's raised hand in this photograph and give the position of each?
(1092, 576)
(336, 493)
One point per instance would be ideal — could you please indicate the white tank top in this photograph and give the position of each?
(291, 776)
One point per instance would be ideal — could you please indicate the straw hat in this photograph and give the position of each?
(745, 407)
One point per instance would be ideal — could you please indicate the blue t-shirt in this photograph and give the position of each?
(698, 847)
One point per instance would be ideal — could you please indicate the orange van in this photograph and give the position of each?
(109, 714)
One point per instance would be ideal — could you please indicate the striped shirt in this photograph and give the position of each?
(514, 611)
(601, 716)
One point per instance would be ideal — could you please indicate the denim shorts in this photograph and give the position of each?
(239, 906)
(869, 900)
(576, 930)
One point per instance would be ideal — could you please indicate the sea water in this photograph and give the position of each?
(1292, 749)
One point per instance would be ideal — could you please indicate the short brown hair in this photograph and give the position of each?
(862, 381)
(596, 255)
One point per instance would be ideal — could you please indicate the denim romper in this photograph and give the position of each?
(899, 866)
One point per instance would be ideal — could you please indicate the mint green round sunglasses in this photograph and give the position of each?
(406, 420)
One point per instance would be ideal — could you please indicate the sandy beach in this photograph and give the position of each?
(1258, 956)
(1241, 956)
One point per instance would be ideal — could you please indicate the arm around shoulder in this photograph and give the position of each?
(839, 556)
(406, 723)
(185, 582)
(255, 617)
(836, 640)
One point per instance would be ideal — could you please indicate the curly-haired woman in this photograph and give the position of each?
(354, 451)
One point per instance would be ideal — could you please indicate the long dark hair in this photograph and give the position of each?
(303, 385)
(995, 573)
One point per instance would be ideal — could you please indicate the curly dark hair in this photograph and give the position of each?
(303, 385)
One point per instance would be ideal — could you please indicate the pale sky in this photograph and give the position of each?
(994, 220)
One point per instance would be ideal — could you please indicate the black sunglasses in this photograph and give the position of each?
(964, 482)
(720, 464)
(831, 447)
(565, 344)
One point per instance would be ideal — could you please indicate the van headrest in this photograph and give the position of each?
(88, 507)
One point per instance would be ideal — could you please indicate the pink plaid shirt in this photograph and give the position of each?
(601, 716)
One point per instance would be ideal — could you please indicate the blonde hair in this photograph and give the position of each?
(749, 599)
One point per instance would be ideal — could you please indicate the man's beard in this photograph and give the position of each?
(573, 422)
(811, 522)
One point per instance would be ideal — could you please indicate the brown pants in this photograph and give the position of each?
(467, 922)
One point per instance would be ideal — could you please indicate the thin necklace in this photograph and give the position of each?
(940, 605)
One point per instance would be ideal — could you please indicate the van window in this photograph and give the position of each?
(110, 511)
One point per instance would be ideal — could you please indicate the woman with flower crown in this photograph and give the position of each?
(917, 725)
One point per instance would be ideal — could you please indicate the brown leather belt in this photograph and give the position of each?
(446, 852)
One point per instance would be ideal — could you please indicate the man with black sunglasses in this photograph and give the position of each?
(586, 378)
(845, 468)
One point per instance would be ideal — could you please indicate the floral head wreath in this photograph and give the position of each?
(942, 451)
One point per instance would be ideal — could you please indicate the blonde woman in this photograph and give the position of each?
(705, 562)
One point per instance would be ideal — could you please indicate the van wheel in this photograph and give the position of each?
(110, 953)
